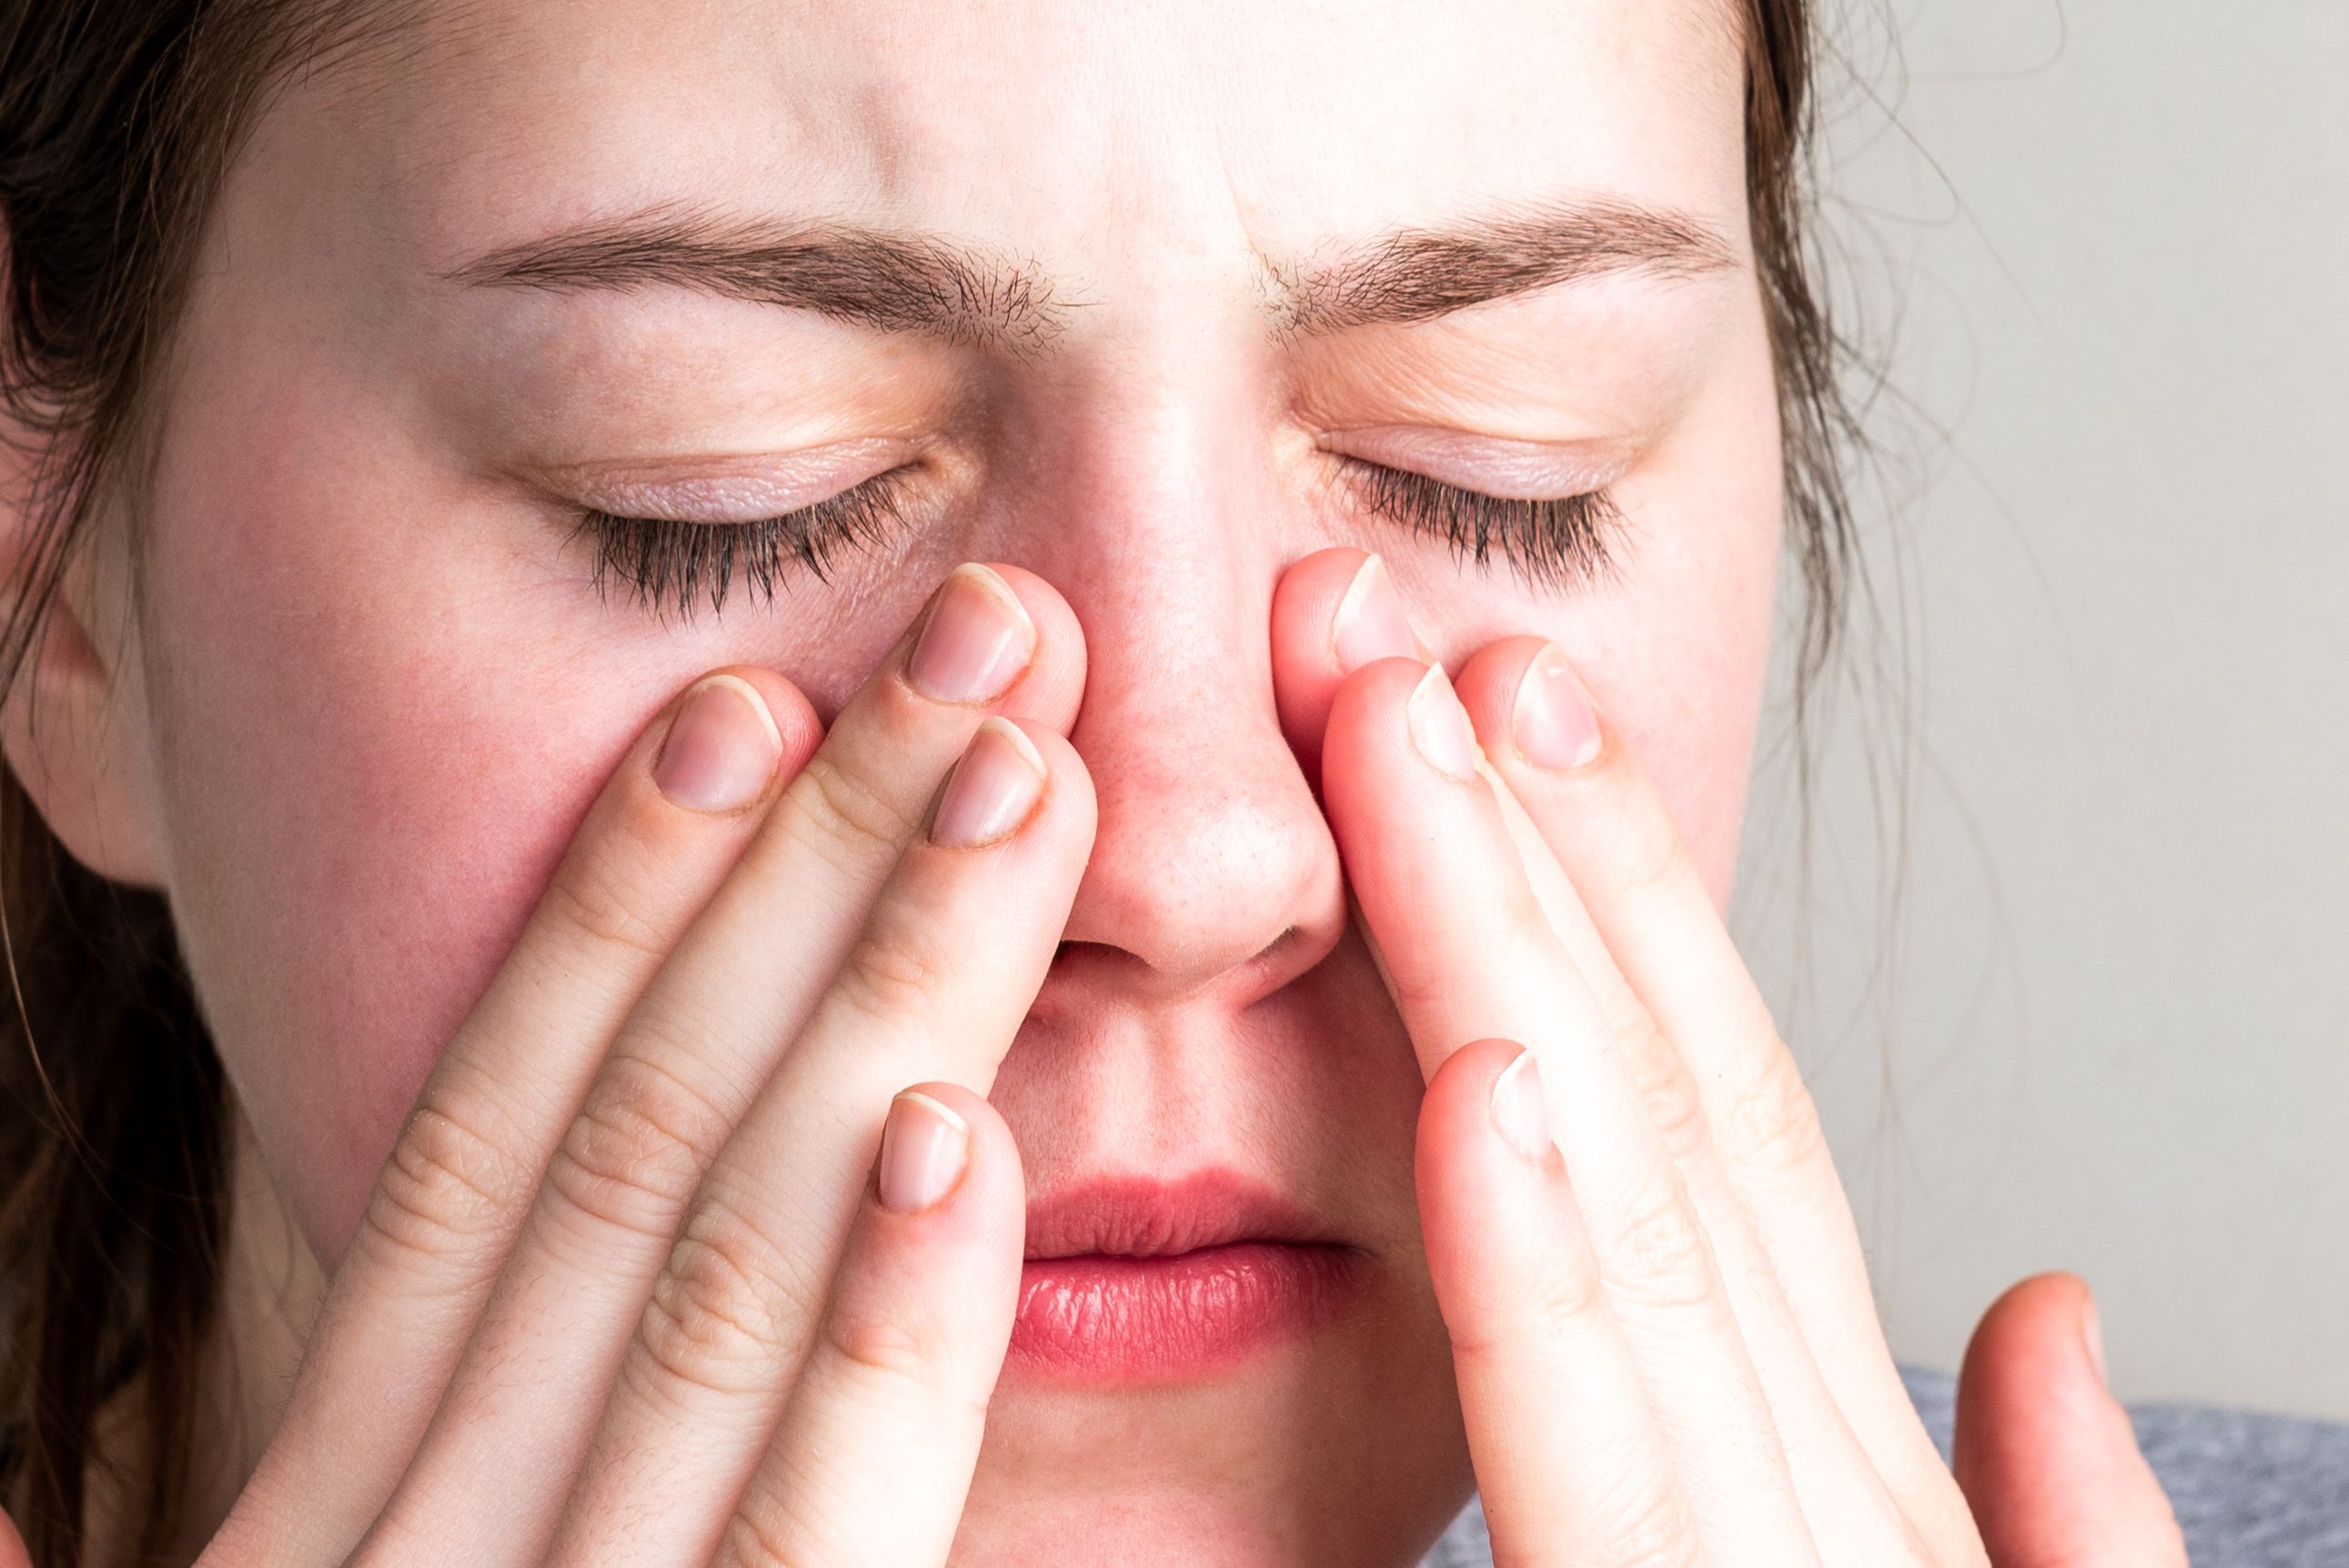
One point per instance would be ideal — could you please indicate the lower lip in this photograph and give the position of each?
(1159, 1318)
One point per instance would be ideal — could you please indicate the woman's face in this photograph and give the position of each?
(1125, 294)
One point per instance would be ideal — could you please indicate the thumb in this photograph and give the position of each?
(2044, 1454)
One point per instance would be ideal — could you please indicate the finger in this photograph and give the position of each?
(706, 1034)
(936, 987)
(1636, 912)
(873, 1459)
(1470, 954)
(658, 839)
(2046, 1455)
(1571, 1467)
(1332, 613)
(1835, 1473)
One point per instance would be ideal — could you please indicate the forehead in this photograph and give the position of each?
(1133, 136)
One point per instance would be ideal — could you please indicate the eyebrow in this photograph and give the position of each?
(902, 282)
(1417, 274)
(891, 281)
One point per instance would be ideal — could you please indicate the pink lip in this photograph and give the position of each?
(1132, 1279)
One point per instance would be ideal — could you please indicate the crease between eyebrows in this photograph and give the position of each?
(904, 283)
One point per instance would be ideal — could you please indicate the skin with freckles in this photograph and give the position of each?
(371, 683)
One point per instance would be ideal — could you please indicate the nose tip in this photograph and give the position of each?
(1213, 869)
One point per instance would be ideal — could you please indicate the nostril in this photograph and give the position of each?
(1274, 965)
(1273, 955)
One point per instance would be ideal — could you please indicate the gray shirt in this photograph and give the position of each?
(2251, 1491)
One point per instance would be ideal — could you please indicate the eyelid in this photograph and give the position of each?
(1496, 466)
(730, 489)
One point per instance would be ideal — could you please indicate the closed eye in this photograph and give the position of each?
(1564, 542)
(672, 567)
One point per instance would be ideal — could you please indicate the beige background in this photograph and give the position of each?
(2107, 1032)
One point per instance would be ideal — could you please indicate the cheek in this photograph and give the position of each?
(1675, 647)
(1678, 665)
(379, 719)
(361, 818)
(376, 734)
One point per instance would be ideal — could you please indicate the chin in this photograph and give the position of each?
(1331, 1436)
(1130, 1532)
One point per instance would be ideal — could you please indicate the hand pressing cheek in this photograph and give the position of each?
(1660, 1315)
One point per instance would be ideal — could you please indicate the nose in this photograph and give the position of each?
(1213, 869)
(1211, 866)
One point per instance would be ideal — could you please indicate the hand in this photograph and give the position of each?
(1666, 1344)
(2045, 1454)
(622, 1292)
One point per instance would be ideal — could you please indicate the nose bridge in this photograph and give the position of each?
(1213, 868)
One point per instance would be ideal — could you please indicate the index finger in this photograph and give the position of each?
(1642, 902)
(693, 1055)
(1338, 608)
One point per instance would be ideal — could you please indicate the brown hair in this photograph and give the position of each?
(118, 118)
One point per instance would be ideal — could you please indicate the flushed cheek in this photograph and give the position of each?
(360, 827)
(1674, 657)
(376, 748)
(1687, 644)
(1686, 691)
(1685, 700)
(1674, 644)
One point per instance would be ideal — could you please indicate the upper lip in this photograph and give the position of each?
(1148, 1217)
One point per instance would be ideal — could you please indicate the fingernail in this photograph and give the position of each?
(1554, 725)
(925, 1149)
(993, 790)
(1440, 728)
(721, 746)
(976, 641)
(2092, 1334)
(1519, 1114)
(1371, 623)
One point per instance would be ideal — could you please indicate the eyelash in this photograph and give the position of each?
(667, 565)
(1562, 542)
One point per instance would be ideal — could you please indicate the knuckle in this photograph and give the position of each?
(1569, 1295)
(454, 1183)
(1553, 1302)
(854, 820)
(1773, 1123)
(1668, 1091)
(637, 1149)
(1420, 990)
(597, 895)
(1672, 1265)
(1508, 923)
(754, 1540)
(891, 974)
(720, 1312)
(1650, 1528)
(1648, 853)
(901, 1363)
(876, 1348)
(1524, 923)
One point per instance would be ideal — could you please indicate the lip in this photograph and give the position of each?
(1134, 1279)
